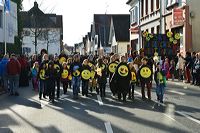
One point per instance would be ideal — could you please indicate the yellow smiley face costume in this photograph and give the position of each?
(92, 74)
(112, 67)
(85, 74)
(65, 74)
(62, 59)
(42, 74)
(123, 70)
(57, 68)
(145, 72)
(76, 73)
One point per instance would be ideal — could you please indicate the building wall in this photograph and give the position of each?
(53, 38)
(122, 48)
(195, 21)
(11, 25)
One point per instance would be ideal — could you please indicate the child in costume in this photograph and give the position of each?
(159, 78)
(133, 80)
(64, 77)
(42, 80)
(34, 74)
(101, 71)
(85, 76)
(145, 75)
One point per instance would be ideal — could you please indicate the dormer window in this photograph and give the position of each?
(171, 3)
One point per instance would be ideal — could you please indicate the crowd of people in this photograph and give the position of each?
(90, 73)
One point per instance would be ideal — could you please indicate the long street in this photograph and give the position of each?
(180, 113)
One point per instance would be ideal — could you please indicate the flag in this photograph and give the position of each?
(7, 5)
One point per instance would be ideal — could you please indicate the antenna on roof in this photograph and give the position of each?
(107, 5)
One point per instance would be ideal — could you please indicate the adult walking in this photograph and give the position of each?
(13, 70)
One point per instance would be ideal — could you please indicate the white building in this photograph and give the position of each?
(11, 23)
(45, 30)
(119, 34)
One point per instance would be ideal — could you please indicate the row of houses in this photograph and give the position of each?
(108, 33)
(40, 30)
(123, 33)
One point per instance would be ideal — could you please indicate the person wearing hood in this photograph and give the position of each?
(58, 68)
(3, 71)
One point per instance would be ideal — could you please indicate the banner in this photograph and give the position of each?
(7, 5)
(177, 17)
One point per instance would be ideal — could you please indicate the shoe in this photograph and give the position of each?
(16, 94)
(40, 98)
(44, 97)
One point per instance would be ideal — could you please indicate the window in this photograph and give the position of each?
(27, 33)
(152, 30)
(157, 4)
(134, 15)
(142, 5)
(158, 29)
(147, 7)
(152, 5)
(172, 2)
(1, 19)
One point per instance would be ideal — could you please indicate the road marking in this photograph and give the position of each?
(185, 87)
(178, 112)
(138, 93)
(176, 92)
(187, 116)
(108, 127)
(43, 103)
(99, 100)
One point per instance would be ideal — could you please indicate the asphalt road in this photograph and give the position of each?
(27, 114)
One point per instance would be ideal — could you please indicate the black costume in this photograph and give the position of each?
(121, 78)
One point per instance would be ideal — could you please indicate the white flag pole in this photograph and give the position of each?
(5, 31)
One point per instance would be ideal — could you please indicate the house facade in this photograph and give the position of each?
(11, 23)
(100, 34)
(163, 16)
(41, 31)
(119, 34)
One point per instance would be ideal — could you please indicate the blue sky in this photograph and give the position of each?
(78, 14)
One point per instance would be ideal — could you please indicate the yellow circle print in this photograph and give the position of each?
(145, 72)
(76, 73)
(62, 59)
(42, 74)
(85, 74)
(57, 67)
(123, 70)
(133, 76)
(65, 74)
(92, 74)
(112, 67)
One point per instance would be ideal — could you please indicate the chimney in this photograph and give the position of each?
(35, 4)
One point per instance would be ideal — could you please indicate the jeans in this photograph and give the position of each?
(160, 90)
(76, 85)
(42, 88)
(14, 83)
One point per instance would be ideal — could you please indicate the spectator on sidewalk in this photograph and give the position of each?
(13, 70)
(180, 66)
(188, 66)
(197, 69)
(3, 71)
(25, 71)
(193, 71)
